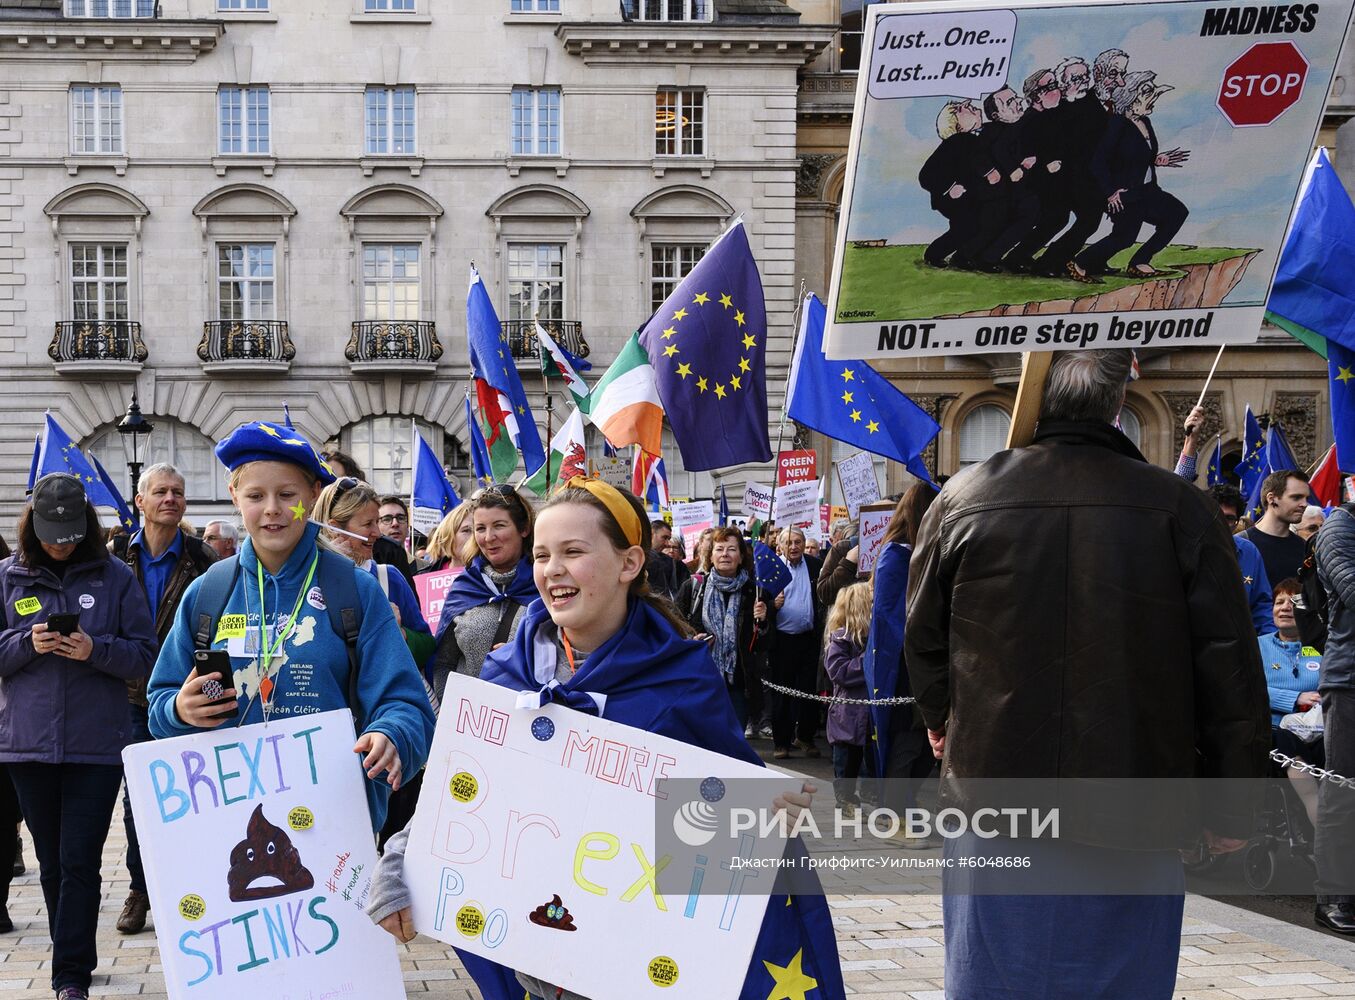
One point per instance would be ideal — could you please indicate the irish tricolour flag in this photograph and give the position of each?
(625, 401)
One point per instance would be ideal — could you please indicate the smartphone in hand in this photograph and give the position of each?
(65, 624)
(218, 661)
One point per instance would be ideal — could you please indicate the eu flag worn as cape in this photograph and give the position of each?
(651, 678)
(708, 346)
(471, 589)
(883, 664)
(852, 402)
(498, 388)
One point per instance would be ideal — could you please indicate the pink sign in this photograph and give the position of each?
(432, 590)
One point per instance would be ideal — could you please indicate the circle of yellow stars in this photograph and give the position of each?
(684, 369)
(848, 398)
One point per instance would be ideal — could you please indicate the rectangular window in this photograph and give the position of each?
(241, 4)
(96, 119)
(680, 122)
(390, 120)
(98, 281)
(390, 281)
(536, 281)
(242, 120)
(669, 263)
(670, 10)
(388, 6)
(245, 281)
(849, 40)
(536, 121)
(535, 6)
(110, 8)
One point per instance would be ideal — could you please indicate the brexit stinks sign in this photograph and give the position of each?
(1038, 175)
(536, 845)
(259, 857)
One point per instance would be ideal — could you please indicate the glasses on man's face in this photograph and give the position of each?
(1078, 77)
(1048, 88)
(389, 519)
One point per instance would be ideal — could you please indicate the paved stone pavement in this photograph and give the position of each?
(891, 948)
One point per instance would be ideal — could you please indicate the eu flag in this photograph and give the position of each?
(58, 453)
(498, 387)
(852, 402)
(1249, 469)
(1214, 473)
(708, 345)
(772, 575)
(724, 506)
(479, 451)
(432, 497)
(127, 517)
(1340, 366)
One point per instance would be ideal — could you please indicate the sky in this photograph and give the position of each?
(1239, 183)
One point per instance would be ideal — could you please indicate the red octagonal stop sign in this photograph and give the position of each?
(1262, 84)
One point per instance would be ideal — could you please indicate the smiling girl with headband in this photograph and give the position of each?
(599, 642)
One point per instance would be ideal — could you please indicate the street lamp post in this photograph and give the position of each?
(134, 425)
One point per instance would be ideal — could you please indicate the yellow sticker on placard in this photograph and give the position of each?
(230, 627)
(663, 971)
(192, 907)
(28, 605)
(464, 786)
(301, 818)
(470, 921)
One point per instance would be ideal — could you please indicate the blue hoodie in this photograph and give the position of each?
(314, 674)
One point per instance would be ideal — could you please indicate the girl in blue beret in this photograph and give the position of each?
(289, 659)
(600, 642)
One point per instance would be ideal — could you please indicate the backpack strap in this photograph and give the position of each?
(338, 582)
(213, 593)
(383, 577)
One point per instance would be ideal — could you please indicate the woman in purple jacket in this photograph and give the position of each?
(63, 704)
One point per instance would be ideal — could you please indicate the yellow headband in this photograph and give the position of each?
(622, 512)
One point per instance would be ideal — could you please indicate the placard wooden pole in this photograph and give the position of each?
(1029, 394)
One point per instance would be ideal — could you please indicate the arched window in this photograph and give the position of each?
(383, 447)
(182, 446)
(983, 433)
(1131, 426)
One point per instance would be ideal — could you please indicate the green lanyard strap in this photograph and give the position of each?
(266, 653)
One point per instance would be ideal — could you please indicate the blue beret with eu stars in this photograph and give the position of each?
(260, 441)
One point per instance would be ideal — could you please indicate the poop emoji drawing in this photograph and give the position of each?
(265, 864)
(554, 915)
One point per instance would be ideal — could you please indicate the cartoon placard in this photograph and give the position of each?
(1036, 176)
(535, 845)
(259, 857)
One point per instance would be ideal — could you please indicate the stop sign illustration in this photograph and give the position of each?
(1262, 84)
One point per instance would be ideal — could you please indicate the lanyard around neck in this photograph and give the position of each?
(266, 653)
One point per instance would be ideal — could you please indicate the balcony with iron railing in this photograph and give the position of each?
(246, 346)
(521, 336)
(98, 347)
(393, 346)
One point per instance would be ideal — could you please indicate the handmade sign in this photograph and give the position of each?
(796, 503)
(875, 520)
(1041, 175)
(432, 589)
(859, 485)
(757, 500)
(796, 466)
(690, 519)
(259, 858)
(536, 844)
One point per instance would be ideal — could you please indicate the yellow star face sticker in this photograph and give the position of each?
(701, 299)
(734, 381)
(669, 332)
(268, 430)
(680, 314)
(298, 512)
(872, 426)
(848, 374)
(748, 341)
(744, 365)
(726, 301)
(670, 350)
(684, 370)
(856, 416)
(738, 317)
(846, 397)
(790, 981)
(1344, 375)
(720, 390)
(701, 383)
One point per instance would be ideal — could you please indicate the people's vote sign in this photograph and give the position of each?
(537, 845)
(1046, 175)
(259, 857)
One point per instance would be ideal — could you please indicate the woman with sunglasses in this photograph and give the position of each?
(1292, 671)
(293, 661)
(484, 606)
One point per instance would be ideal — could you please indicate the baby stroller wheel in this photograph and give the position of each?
(1258, 865)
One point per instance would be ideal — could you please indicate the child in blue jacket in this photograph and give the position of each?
(275, 479)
